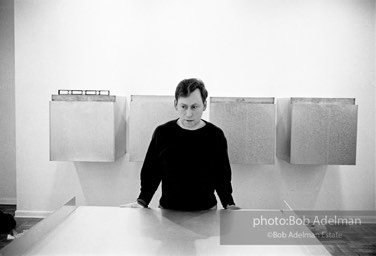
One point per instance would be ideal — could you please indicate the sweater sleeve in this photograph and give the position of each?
(223, 179)
(151, 173)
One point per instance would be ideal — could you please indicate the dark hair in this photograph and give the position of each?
(187, 86)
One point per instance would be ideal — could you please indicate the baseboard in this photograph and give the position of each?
(32, 214)
(44, 214)
(8, 200)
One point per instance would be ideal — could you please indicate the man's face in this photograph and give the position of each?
(190, 109)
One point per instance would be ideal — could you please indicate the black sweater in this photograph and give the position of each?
(191, 164)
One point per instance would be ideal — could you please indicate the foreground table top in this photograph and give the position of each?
(89, 230)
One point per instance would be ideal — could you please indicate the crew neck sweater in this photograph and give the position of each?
(191, 164)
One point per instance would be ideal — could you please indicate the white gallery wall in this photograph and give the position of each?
(7, 105)
(374, 84)
(241, 48)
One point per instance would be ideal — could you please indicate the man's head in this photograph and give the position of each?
(190, 101)
(187, 86)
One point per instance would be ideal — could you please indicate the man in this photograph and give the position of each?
(189, 155)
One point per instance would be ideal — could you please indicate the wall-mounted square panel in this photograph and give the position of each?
(323, 131)
(249, 126)
(147, 112)
(87, 128)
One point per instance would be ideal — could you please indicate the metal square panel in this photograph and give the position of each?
(147, 112)
(249, 126)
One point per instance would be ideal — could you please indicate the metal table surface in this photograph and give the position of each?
(90, 230)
